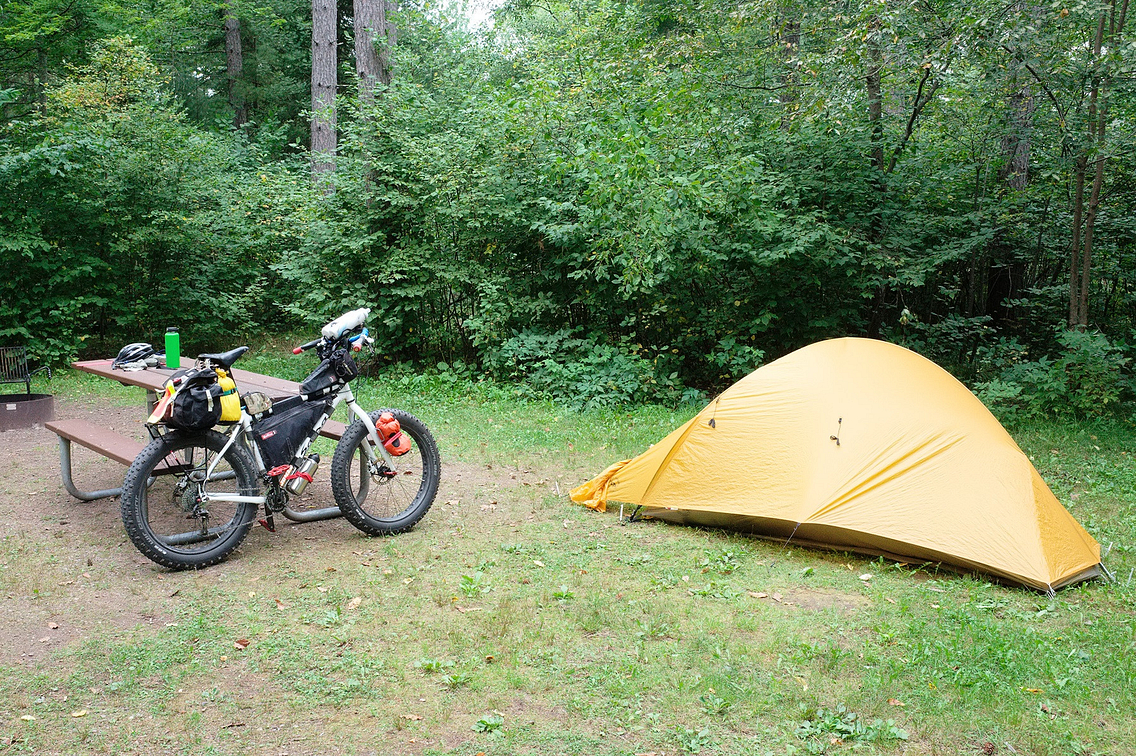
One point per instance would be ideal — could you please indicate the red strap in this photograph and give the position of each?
(299, 474)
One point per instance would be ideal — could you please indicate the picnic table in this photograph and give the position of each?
(123, 450)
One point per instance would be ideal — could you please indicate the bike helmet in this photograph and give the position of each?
(132, 356)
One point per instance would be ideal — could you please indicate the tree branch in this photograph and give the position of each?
(1038, 79)
(921, 101)
(750, 87)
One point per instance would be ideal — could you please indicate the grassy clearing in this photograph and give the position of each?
(511, 621)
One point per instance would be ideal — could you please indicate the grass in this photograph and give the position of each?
(536, 626)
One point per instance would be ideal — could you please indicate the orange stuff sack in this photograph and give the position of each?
(387, 426)
(398, 444)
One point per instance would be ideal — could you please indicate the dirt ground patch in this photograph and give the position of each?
(819, 599)
(88, 580)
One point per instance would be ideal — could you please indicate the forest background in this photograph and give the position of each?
(603, 200)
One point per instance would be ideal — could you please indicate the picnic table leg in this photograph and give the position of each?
(311, 515)
(69, 484)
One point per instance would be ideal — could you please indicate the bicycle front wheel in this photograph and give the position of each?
(161, 499)
(382, 499)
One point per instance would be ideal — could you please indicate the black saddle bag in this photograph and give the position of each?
(197, 401)
(280, 435)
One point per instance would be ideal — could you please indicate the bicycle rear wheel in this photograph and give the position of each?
(161, 507)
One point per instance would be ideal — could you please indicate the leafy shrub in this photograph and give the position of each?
(1088, 379)
(581, 372)
(118, 218)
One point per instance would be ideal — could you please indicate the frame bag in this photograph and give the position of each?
(280, 435)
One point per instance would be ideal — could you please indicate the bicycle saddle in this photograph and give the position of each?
(224, 359)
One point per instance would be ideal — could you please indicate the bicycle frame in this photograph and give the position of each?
(243, 428)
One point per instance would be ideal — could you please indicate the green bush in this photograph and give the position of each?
(580, 372)
(1089, 379)
(118, 218)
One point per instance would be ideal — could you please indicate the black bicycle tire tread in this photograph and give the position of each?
(144, 542)
(339, 478)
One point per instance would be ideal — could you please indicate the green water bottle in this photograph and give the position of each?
(173, 349)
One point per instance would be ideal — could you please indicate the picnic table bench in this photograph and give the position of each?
(115, 446)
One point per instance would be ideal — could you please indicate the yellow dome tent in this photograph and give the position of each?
(861, 445)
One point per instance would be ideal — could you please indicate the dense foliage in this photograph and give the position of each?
(609, 201)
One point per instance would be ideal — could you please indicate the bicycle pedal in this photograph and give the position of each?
(268, 525)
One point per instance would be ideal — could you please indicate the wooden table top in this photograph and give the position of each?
(153, 378)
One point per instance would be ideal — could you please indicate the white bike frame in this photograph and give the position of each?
(244, 427)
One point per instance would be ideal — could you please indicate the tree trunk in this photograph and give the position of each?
(1075, 252)
(1014, 172)
(374, 36)
(875, 96)
(789, 37)
(234, 62)
(324, 82)
(1081, 254)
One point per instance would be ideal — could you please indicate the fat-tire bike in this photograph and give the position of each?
(190, 497)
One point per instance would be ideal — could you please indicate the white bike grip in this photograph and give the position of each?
(345, 323)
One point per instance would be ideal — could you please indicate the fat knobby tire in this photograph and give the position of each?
(134, 510)
(345, 454)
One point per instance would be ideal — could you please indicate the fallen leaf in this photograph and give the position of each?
(241, 644)
(410, 717)
(53, 625)
(755, 594)
(79, 713)
(354, 603)
(934, 606)
(45, 639)
(1032, 690)
(896, 702)
(28, 718)
(866, 576)
(332, 569)
(890, 601)
(489, 659)
(321, 589)
(280, 604)
(777, 597)
(463, 610)
(538, 563)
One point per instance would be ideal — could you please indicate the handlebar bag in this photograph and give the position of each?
(337, 369)
(280, 435)
(197, 400)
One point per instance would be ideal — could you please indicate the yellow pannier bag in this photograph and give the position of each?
(230, 401)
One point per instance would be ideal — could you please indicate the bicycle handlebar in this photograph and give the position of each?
(305, 347)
